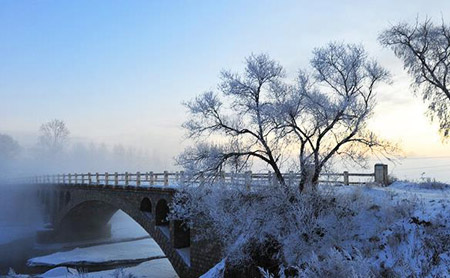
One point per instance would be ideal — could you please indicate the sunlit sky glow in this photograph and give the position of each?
(118, 71)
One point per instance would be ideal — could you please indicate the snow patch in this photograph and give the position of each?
(145, 249)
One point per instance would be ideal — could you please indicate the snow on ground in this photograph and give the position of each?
(60, 271)
(185, 254)
(124, 227)
(215, 272)
(403, 227)
(128, 246)
(158, 268)
(402, 230)
(144, 249)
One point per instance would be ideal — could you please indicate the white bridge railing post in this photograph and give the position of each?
(182, 177)
(106, 178)
(138, 179)
(126, 178)
(166, 178)
(152, 181)
(116, 179)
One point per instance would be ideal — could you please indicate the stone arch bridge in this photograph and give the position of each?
(79, 206)
(82, 211)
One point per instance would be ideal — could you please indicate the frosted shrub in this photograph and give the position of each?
(355, 232)
(432, 184)
(337, 264)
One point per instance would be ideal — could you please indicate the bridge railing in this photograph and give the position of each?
(177, 178)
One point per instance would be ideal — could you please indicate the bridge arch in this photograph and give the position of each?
(61, 202)
(162, 211)
(88, 212)
(66, 198)
(146, 206)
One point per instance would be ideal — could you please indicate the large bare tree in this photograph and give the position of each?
(326, 114)
(53, 136)
(241, 125)
(424, 49)
(261, 115)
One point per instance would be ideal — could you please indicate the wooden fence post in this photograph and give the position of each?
(248, 179)
(346, 180)
(89, 178)
(126, 179)
(76, 178)
(70, 178)
(222, 176)
(291, 178)
(97, 178)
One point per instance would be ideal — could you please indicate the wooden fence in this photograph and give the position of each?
(176, 178)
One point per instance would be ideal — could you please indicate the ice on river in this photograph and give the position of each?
(144, 249)
(159, 268)
(125, 245)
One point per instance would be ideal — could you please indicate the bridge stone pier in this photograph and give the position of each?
(82, 211)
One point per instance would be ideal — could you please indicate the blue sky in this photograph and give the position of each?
(117, 71)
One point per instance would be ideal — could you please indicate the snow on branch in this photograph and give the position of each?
(260, 115)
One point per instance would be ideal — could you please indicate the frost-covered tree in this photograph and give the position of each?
(261, 115)
(53, 136)
(424, 49)
(9, 150)
(325, 114)
(242, 126)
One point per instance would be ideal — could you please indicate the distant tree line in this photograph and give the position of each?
(54, 153)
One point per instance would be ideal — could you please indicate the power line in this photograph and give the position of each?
(428, 157)
(424, 167)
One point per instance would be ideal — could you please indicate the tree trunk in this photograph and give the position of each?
(309, 178)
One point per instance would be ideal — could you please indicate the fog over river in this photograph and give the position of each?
(129, 248)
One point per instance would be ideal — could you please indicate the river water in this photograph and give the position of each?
(129, 248)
